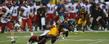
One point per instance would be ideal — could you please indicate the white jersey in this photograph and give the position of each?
(32, 9)
(107, 5)
(51, 8)
(8, 11)
(6, 16)
(72, 8)
(101, 6)
(36, 7)
(67, 7)
(97, 1)
(26, 12)
(104, 9)
(88, 8)
(82, 4)
(15, 10)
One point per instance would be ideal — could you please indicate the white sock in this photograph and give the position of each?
(75, 30)
(32, 33)
(12, 38)
(38, 29)
(105, 29)
(33, 28)
(35, 43)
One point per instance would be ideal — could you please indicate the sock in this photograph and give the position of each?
(32, 33)
(12, 38)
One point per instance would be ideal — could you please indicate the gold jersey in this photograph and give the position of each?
(53, 31)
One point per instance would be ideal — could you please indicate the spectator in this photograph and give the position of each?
(45, 2)
(1, 1)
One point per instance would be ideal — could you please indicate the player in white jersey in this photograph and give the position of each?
(7, 18)
(31, 9)
(32, 14)
(50, 8)
(6, 22)
(31, 6)
(50, 11)
(26, 18)
(73, 10)
(15, 15)
(36, 16)
(36, 6)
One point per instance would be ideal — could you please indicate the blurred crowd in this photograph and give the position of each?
(33, 15)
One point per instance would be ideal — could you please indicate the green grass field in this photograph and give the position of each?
(74, 38)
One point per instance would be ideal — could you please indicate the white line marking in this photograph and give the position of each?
(19, 36)
(96, 42)
(5, 41)
(78, 40)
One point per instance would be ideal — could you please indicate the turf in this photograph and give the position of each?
(74, 38)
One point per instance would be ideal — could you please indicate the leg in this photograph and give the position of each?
(94, 24)
(53, 40)
(42, 40)
(29, 22)
(35, 23)
(10, 26)
(66, 34)
(23, 24)
(3, 27)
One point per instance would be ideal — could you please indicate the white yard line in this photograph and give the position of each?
(96, 42)
(78, 40)
(5, 41)
(19, 36)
